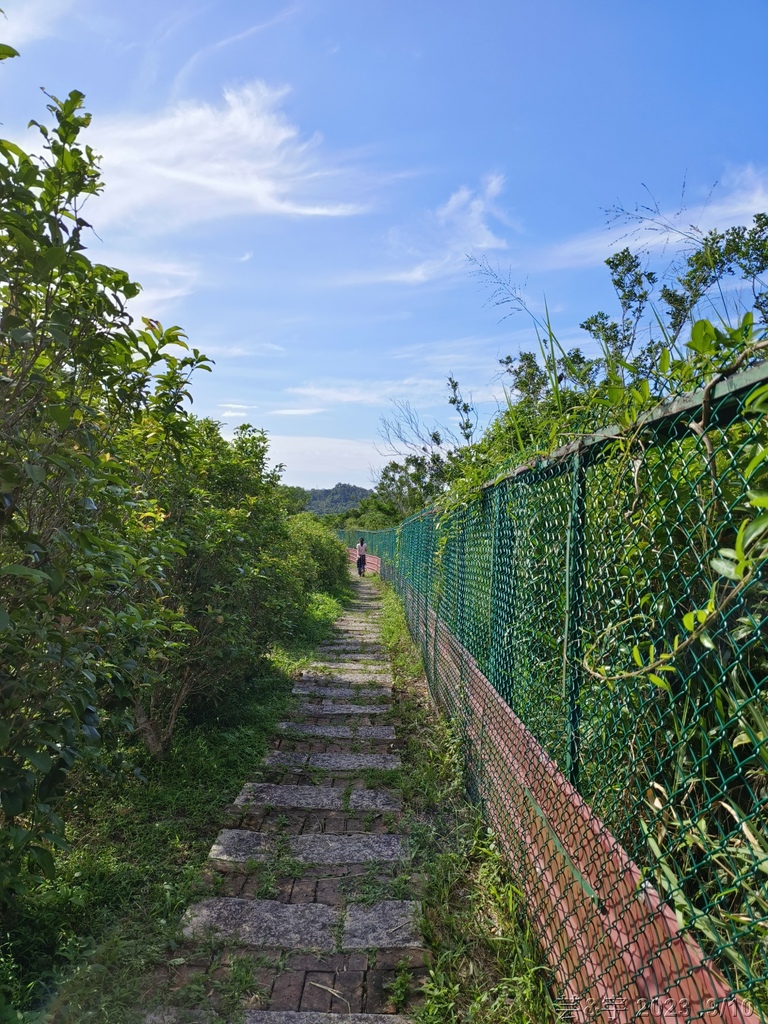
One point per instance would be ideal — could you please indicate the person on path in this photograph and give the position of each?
(361, 558)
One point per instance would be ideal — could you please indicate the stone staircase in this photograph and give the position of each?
(313, 873)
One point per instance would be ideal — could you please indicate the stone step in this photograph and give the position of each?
(263, 922)
(176, 1016)
(303, 1017)
(359, 668)
(345, 677)
(331, 762)
(340, 732)
(345, 641)
(316, 798)
(235, 846)
(353, 654)
(338, 692)
(324, 709)
(391, 924)
(361, 648)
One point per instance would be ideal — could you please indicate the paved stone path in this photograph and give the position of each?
(312, 871)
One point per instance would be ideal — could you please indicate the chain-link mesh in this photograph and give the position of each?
(632, 800)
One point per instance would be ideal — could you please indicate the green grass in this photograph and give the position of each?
(82, 947)
(487, 967)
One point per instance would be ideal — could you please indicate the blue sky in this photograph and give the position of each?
(298, 184)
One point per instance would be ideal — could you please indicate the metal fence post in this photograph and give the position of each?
(574, 604)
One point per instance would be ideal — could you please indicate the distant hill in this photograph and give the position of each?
(341, 498)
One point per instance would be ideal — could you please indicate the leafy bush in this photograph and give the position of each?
(145, 560)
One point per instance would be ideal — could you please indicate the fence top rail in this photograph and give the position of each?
(670, 408)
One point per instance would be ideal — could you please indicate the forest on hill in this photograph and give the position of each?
(340, 498)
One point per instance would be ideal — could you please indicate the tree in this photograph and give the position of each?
(74, 374)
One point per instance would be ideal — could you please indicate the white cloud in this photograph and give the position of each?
(423, 392)
(30, 20)
(360, 392)
(163, 282)
(439, 246)
(325, 461)
(474, 353)
(195, 161)
(742, 193)
(238, 351)
(295, 412)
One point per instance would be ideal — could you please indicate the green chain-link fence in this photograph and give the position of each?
(623, 760)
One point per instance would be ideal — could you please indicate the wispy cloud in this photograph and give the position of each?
(742, 193)
(164, 280)
(437, 246)
(474, 353)
(239, 351)
(358, 392)
(424, 392)
(296, 412)
(31, 20)
(221, 44)
(194, 162)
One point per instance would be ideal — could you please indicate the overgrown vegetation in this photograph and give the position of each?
(486, 966)
(616, 595)
(616, 598)
(636, 358)
(82, 946)
(148, 565)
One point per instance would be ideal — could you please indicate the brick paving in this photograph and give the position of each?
(312, 871)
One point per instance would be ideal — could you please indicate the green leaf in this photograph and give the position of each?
(25, 571)
(702, 338)
(12, 802)
(726, 568)
(7, 51)
(35, 472)
(44, 860)
(50, 258)
(57, 579)
(664, 360)
(10, 476)
(60, 415)
(757, 459)
(42, 761)
(689, 622)
(658, 681)
(756, 529)
(5, 620)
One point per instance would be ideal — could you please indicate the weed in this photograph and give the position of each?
(346, 796)
(380, 778)
(400, 989)
(487, 967)
(380, 881)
